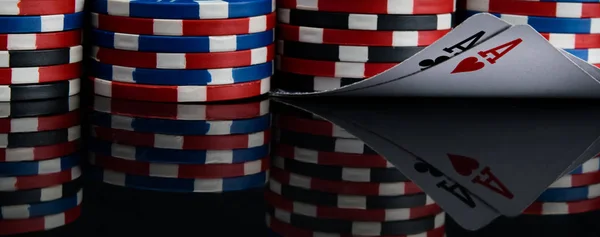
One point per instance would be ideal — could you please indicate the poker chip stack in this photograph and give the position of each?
(327, 44)
(326, 182)
(577, 192)
(182, 50)
(40, 66)
(40, 184)
(185, 148)
(40, 49)
(567, 24)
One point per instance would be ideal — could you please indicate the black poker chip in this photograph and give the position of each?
(39, 91)
(339, 173)
(359, 228)
(20, 109)
(8, 198)
(350, 21)
(323, 143)
(348, 201)
(306, 83)
(346, 53)
(33, 139)
(43, 57)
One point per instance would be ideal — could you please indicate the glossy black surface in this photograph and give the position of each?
(110, 211)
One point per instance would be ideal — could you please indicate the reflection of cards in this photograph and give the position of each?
(465, 208)
(467, 166)
(458, 191)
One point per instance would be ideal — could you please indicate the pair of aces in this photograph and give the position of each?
(476, 62)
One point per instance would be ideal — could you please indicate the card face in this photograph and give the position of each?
(467, 209)
(471, 32)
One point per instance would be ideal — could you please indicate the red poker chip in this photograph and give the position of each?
(573, 41)
(154, 93)
(204, 27)
(563, 208)
(221, 111)
(38, 124)
(51, 40)
(39, 181)
(199, 142)
(10, 227)
(331, 68)
(312, 126)
(534, 8)
(410, 7)
(358, 37)
(577, 180)
(34, 75)
(38, 7)
(381, 215)
(38, 153)
(289, 230)
(139, 59)
(331, 158)
(182, 171)
(345, 187)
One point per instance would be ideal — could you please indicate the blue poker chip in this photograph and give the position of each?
(588, 55)
(184, 9)
(181, 127)
(181, 44)
(170, 156)
(570, 194)
(36, 24)
(41, 208)
(38, 167)
(177, 77)
(180, 185)
(552, 24)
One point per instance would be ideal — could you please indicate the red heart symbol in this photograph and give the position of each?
(468, 65)
(463, 165)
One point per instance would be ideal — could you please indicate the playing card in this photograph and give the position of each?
(471, 32)
(590, 69)
(464, 207)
